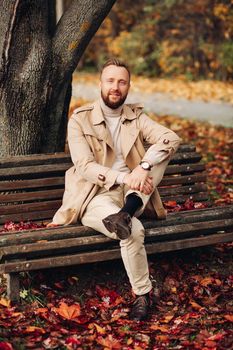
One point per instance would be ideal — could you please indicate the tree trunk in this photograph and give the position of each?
(37, 62)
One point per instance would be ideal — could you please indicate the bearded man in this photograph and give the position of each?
(113, 178)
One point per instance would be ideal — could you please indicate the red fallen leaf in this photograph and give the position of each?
(210, 300)
(189, 204)
(210, 344)
(68, 312)
(59, 285)
(229, 317)
(11, 226)
(217, 336)
(5, 346)
(215, 171)
(170, 204)
(41, 310)
(73, 341)
(199, 205)
(109, 297)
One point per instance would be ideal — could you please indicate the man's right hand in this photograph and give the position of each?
(139, 180)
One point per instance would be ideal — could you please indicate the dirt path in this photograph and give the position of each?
(218, 113)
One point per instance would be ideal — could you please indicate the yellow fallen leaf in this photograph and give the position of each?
(163, 329)
(167, 319)
(196, 305)
(5, 302)
(99, 329)
(206, 281)
(31, 329)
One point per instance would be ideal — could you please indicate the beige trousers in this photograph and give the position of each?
(132, 249)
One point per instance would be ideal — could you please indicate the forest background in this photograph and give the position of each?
(170, 38)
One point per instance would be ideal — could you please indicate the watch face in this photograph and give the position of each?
(145, 165)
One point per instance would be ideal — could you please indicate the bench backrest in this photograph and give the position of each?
(31, 187)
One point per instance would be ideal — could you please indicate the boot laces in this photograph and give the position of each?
(141, 303)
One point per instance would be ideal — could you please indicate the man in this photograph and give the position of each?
(113, 179)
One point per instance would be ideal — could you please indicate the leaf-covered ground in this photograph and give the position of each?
(86, 307)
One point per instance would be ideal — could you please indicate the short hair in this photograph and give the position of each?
(115, 62)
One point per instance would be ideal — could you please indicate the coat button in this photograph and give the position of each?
(166, 141)
(101, 177)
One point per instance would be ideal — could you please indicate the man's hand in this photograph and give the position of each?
(139, 180)
(51, 224)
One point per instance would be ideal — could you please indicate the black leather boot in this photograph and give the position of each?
(140, 307)
(120, 223)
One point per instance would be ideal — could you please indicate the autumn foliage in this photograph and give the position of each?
(185, 38)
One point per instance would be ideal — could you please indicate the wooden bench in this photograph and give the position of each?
(31, 188)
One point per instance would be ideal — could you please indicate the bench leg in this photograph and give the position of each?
(13, 286)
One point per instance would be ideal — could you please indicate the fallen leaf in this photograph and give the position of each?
(68, 312)
(229, 317)
(5, 302)
(32, 329)
(5, 346)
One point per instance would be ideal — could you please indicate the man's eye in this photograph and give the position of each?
(122, 82)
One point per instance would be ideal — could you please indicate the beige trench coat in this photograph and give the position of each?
(92, 153)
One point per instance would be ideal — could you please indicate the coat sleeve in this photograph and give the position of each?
(84, 161)
(161, 138)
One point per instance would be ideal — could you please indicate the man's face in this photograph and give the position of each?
(114, 83)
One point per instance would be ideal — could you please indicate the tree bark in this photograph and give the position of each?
(37, 62)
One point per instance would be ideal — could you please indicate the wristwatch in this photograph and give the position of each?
(145, 165)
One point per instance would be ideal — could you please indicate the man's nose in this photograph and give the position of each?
(115, 85)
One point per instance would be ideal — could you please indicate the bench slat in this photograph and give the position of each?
(11, 185)
(59, 181)
(59, 157)
(32, 196)
(162, 233)
(34, 170)
(61, 168)
(39, 216)
(27, 208)
(177, 190)
(196, 197)
(111, 254)
(58, 193)
(24, 210)
(185, 179)
(64, 232)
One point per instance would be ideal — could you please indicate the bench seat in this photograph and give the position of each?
(31, 188)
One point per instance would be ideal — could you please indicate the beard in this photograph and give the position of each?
(112, 104)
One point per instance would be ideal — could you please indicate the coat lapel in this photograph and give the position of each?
(129, 131)
(100, 126)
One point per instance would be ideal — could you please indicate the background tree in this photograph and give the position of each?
(37, 59)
